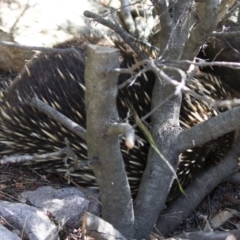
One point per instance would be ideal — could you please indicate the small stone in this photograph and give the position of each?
(26, 218)
(66, 205)
(7, 235)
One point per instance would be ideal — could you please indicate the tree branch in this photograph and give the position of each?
(58, 117)
(208, 130)
(101, 93)
(183, 206)
(199, 35)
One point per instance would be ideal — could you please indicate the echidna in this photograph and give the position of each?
(225, 49)
(58, 79)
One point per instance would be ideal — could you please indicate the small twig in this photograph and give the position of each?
(226, 34)
(133, 70)
(57, 116)
(125, 129)
(124, 35)
(150, 65)
(27, 157)
(35, 172)
(233, 65)
(211, 102)
(8, 197)
(70, 154)
(72, 50)
(18, 18)
(80, 165)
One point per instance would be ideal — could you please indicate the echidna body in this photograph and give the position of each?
(223, 48)
(58, 80)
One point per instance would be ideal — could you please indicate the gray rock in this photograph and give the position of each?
(7, 235)
(35, 223)
(66, 205)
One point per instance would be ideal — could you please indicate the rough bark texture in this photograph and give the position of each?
(101, 93)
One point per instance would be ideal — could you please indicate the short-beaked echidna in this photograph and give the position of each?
(58, 80)
(223, 48)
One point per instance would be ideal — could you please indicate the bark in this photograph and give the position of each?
(101, 93)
